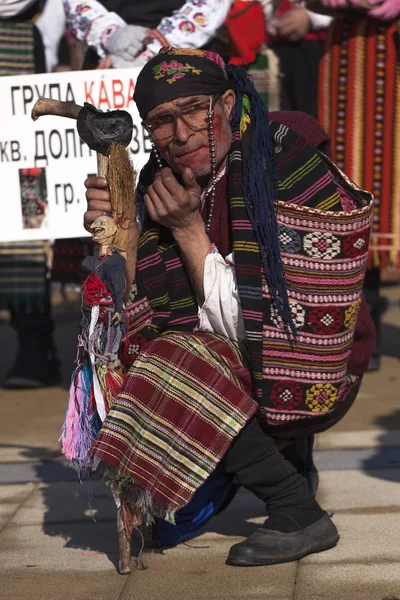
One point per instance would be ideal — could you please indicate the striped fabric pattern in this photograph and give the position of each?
(359, 106)
(16, 48)
(186, 397)
(23, 270)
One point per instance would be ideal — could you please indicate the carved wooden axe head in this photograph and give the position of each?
(98, 129)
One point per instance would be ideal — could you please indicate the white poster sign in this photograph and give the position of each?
(43, 163)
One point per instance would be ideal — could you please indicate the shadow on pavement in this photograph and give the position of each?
(82, 513)
(234, 521)
(390, 345)
(391, 472)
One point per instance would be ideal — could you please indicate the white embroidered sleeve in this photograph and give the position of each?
(221, 312)
(319, 21)
(191, 26)
(92, 23)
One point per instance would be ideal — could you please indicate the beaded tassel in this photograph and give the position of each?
(157, 155)
(211, 138)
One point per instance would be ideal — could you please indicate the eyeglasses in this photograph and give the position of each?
(195, 116)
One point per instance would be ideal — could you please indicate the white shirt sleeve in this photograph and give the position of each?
(92, 23)
(191, 26)
(221, 312)
(51, 25)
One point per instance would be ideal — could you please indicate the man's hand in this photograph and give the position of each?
(178, 207)
(98, 199)
(174, 205)
(293, 25)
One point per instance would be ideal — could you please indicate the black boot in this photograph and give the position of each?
(297, 525)
(36, 364)
(300, 455)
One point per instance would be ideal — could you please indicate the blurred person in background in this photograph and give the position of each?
(294, 35)
(63, 53)
(52, 25)
(128, 33)
(24, 282)
(359, 106)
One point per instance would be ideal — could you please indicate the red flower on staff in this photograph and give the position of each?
(94, 290)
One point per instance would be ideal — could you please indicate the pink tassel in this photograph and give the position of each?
(70, 427)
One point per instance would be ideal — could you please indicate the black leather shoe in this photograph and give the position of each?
(268, 547)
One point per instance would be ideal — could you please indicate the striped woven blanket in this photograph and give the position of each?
(184, 400)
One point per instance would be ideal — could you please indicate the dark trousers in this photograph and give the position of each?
(257, 465)
(36, 357)
(299, 64)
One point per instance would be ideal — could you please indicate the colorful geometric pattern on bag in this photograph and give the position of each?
(324, 255)
(324, 223)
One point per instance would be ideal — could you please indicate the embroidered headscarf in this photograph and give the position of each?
(178, 73)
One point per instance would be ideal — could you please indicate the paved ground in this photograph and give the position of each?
(52, 545)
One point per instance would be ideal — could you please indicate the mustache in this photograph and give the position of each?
(189, 149)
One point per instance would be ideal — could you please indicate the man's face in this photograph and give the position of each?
(187, 147)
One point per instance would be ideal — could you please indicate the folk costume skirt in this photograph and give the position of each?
(359, 106)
